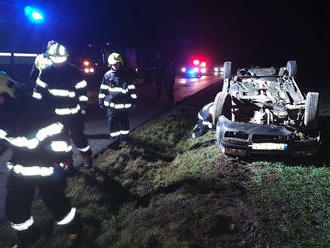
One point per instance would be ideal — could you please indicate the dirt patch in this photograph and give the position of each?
(205, 213)
(193, 206)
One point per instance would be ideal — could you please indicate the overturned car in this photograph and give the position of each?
(263, 111)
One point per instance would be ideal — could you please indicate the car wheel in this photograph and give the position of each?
(227, 70)
(225, 85)
(222, 106)
(311, 119)
(292, 68)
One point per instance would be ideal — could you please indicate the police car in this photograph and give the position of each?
(196, 70)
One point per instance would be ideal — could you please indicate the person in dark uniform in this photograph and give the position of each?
(117, 95)
(205, 122)
(40, 146)
(63, 86)
(169, 81)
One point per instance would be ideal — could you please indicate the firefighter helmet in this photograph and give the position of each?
(50, 43)
(7, 85)
(57, 53)
(115, 58)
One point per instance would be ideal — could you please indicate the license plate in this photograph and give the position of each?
(269, 146)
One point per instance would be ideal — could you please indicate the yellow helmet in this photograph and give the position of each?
(57, 53)
(7, 85)
(115, 58)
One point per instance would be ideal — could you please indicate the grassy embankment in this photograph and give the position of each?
(167, 191)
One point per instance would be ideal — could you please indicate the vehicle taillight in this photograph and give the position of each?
(87, 67)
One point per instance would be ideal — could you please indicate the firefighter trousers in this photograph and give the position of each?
(20, 195)
(118, 124)
(75, 126)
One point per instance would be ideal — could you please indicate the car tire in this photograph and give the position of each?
(292, 68)
(311, 118)
(225, 85)
(222, 106)
(227, 70)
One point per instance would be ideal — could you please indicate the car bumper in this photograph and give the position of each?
(242, 139)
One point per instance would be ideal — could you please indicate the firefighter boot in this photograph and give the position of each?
(27, 238)
(114, 145)
(87, 162)
(72, 232)
(69, 168)
(124, 141)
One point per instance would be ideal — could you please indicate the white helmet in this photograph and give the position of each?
(57, 53)
(115, 58)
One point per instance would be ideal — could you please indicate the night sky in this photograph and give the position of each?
(246, 32)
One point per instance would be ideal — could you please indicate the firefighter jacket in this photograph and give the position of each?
(63, 87)
(117, 91)
(205, 121)
(205, 115)
(37, 140)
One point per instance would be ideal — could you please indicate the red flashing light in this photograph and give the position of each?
(196, 62)
(203, 64)
(86, 63)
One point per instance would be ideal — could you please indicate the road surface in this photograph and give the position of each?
(150, 105)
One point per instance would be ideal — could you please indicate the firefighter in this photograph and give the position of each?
(63, 85)
(169, 81)
(40, 146)
(205, 122)
(117, 95)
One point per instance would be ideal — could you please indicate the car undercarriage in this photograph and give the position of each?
(262, 110)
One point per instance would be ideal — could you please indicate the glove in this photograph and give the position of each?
(101, 105)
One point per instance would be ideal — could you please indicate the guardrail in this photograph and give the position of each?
(17, 64)
(9, 58)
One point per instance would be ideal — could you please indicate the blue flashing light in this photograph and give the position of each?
(192, 72)
(34, 15)
(37, 16)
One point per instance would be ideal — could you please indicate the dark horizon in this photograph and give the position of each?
(248, 33)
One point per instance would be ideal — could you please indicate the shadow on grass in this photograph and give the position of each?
(195, 186)
(203, 144)
(150, 151)
(114, 193)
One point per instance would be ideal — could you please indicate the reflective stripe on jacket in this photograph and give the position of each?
(117, 90)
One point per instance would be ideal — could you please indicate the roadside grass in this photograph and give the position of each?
(296, 195)
(168, 191)
(297, 203)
